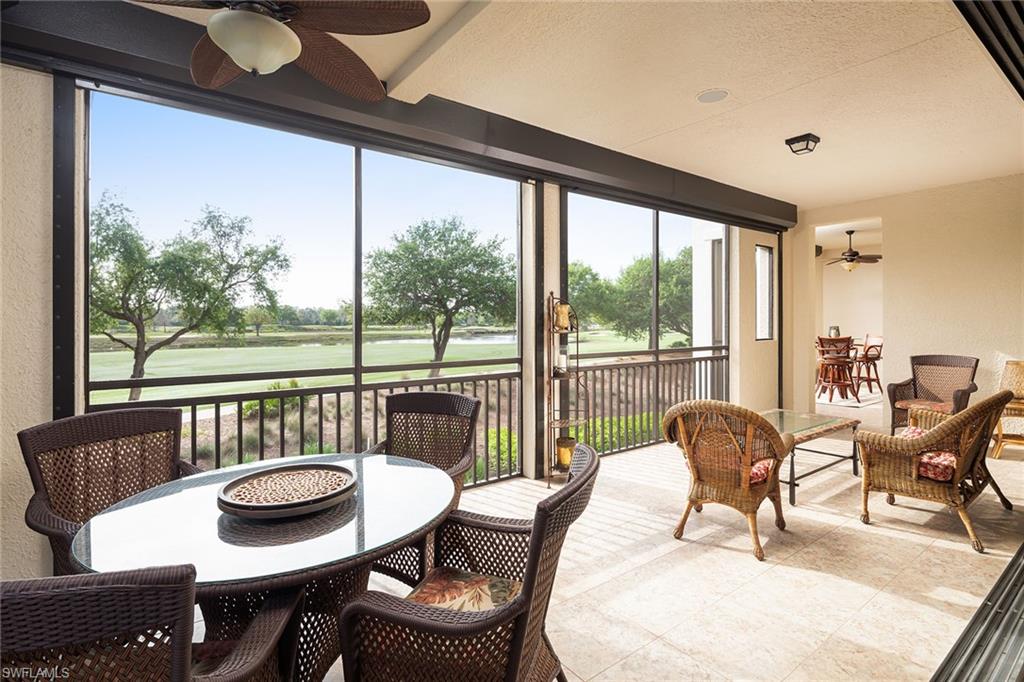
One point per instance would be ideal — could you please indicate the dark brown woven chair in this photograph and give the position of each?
(945, 464)
(480, 614)
(436, 428)
(81, 465)
(135, 625)
(941, 383)
(734, 456)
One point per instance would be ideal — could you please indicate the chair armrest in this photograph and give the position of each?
(387, 637)
(787, 445)
(926, 419)
(273, 629)
(903, 390)
(187, 469)
(380, 448)
(962, 396)
(483, 544)
(463, 465)
(42, 519)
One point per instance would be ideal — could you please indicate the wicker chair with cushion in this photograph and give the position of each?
(135, 625)
(733, 455)
(1013, 381)
(940, 458)
(81, 465)
(941, 383)
(480, 614)
(436, 428)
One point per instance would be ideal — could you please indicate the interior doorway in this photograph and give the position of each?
(849, 329)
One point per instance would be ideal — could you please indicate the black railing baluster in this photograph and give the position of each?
(508, 408)
(280, 419)
(337, 422)
(476, 450)
(302, 424)
(238, 420)
(487, 429)
(262, 415)
(497, 426)
(216, 435)
(192, 436)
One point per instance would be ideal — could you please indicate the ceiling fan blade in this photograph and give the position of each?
(837, 260)
(336, 66)
(864, 259)
(361, 17)
(210, 66)
(872, 256)
(198, 4)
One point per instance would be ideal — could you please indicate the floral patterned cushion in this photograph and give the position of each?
(946, 408)
(459, 590)
(758, 472)
(938, 465)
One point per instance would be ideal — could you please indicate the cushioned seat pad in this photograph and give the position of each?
(758, 471)
(937, 465)
(459, 590)
(926, 404)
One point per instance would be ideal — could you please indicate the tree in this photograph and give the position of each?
(628, 310)
(257, 316)
(287, 315)
(675, 288)
(330, 317)
(589, 293)
(203, 274)
(436, 271)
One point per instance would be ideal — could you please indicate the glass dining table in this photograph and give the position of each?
(805, 428)
(398, 502)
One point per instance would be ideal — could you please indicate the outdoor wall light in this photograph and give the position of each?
(803, 144)
(256, 42)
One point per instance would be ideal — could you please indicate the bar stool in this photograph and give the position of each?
(866, 363)
(835, 367)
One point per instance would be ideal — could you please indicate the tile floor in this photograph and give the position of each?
(834, 599)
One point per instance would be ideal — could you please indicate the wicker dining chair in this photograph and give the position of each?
(942, 383)
(734, 456)
(135, 625)
(81, 465)
(480, 614)
(940, 458)
(436, 428)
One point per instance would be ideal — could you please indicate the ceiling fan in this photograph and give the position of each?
(852, 258)
(261, 36)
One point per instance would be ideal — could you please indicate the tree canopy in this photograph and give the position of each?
(203, 274)
(436, 272)
(624, 304)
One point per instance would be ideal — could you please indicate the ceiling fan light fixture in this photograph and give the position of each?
(850, 266)
(256, 42)
(803, 144)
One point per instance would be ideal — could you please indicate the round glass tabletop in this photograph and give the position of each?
(179, 523)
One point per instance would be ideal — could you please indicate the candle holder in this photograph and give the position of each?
(566, 446)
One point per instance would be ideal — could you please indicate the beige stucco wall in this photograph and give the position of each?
(25, 283)
(953, 278)
(753, 365)
(852, 300)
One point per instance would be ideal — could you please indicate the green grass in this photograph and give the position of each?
(185, 361)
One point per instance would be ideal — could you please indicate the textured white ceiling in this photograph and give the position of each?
(384, 53)
(901, 94)
(866, 232)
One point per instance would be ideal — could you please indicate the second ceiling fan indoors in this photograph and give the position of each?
(851, 258)
(261, 36)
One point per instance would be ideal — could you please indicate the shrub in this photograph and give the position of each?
(251, 408)
(607, 434)
(502, 455)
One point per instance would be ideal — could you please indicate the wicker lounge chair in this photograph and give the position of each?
(480, 614)
(81, 465)
(734, 456)
(941, 458)
(942, 383)
(436, 428)
(135, 625)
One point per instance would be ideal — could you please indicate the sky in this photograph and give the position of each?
(167, 163)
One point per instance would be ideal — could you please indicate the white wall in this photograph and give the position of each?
(852, 300)
(26, 103)
(953, 278)
(753, 365)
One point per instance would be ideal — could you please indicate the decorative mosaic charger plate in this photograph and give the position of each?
(287, 490)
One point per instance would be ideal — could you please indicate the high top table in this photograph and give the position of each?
(805, 428)
(398, 501)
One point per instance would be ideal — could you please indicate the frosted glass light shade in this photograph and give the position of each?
(254, 41)
(850, 267)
